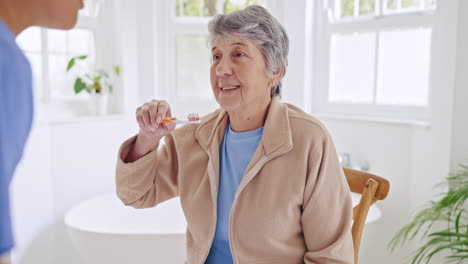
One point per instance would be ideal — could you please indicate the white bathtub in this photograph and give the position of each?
(104, 231)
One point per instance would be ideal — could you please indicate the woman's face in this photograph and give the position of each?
(238, 75)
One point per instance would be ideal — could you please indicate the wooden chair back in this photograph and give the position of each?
(371, 188)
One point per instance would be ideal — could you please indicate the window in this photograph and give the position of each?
(185, 54)
(192, 53)
(193, 60)
(204, 8)
(49, 51)
(345, 9)
(373, 57)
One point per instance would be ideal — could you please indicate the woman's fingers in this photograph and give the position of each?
(141, 122)
(153, 113)
(163, 109)
(150, 115)
(145, 115)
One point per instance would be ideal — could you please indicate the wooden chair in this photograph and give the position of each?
(372, 188)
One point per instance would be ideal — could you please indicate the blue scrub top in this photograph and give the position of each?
(16, 113)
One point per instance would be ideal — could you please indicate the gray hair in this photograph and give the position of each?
(256, 24)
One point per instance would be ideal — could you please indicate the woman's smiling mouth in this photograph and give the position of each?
(229, 87)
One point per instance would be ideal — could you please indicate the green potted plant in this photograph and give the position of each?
(98, 83)
(442, 224)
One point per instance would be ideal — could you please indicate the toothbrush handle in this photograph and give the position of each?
(169, 120)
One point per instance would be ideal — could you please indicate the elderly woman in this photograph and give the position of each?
(259, 180)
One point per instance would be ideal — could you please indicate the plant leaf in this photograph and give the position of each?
(457, 222)
(79, 85)
(70, 64)
(448, 234)
(449, 210)
(82, 57)
(117, 70)
(450, 245)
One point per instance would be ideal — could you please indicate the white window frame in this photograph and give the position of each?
(60, 107)
(43, 95)
(323, 31)
(167, 27)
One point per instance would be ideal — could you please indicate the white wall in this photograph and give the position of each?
(31, 190)
(459, 152)
(388, 150)
(146, 47)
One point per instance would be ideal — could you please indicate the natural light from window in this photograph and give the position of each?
(379, 61)
(345, 9)
(49, 61)
(209, 8)
(50, 50)
(191, 52)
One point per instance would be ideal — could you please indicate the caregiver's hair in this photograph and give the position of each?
(256, 24)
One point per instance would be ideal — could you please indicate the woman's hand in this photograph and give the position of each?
(149, 117)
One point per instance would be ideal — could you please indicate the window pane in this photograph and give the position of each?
(352, 67)
(30, 40)
(196, 8)
(91, 8)
(410, 3)
(405, 5)
(366, 7)
(57, 41)
(80, 41)
(36, 64)
(404, 60)
(57, 74)
(430, 3)
(234, 5)
(347, 8)
(392, 4)
(63, 45)
(193, 66)
(207, 8)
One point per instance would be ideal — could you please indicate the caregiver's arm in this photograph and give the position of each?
(146, 176)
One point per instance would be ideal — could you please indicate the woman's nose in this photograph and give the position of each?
(223, 68)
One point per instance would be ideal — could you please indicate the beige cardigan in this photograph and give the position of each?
(292, 206)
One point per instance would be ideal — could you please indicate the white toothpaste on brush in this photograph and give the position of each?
(192, 119)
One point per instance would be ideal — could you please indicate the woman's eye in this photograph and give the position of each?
(216, 57)
(238, 54)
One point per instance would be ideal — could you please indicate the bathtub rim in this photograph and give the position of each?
(69, 214)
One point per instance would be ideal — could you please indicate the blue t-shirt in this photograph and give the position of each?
(16, 111)
(236, 151)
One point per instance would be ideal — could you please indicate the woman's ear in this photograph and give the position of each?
(276, 77)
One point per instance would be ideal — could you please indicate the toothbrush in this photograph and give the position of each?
(192, 119)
